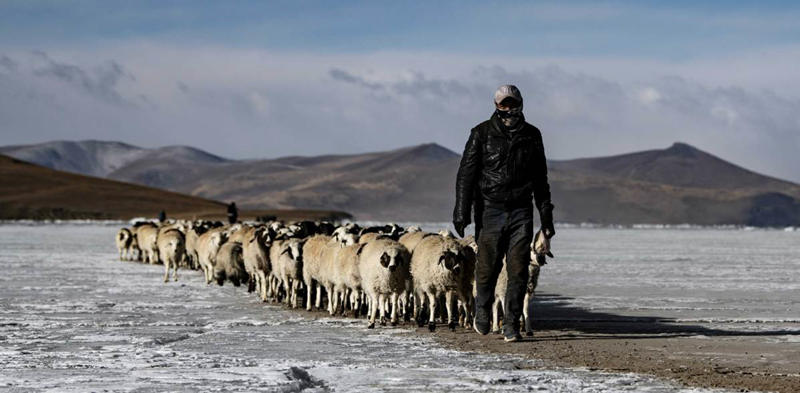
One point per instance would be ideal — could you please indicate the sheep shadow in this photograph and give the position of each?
(555, 312)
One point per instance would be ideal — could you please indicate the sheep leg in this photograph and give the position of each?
(419, 302)
(451, 318)
(373, 310)
(432, 316)
(381, 307)
(286, 288)
(166, 272)
(354, 303)
(496, 315)
(333, 299)
(318, 303)
(293, 289)
(263, 281)
(527, 313)
(309, 289)
(175, 272)
(395, 305)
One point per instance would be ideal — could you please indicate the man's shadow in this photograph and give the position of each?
(554, 312)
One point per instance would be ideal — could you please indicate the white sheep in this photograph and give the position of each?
(383, 267)
(287, 267)
(371, 236)
(256, 260)
(133, 252)
(438, 267)
(208, 245)
(171, 247)
(192, 241)
(411, 239)
(147, 234)
(312, 263)
(124, 239)
(328, 267)
(346, 278)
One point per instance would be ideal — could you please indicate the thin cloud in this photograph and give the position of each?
(101, 82)
(244, 103)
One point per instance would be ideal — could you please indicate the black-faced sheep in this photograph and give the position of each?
(256, 259)
(383, 267)
(438, 266)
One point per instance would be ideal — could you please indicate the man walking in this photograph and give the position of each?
(503, 173)
(233, 213)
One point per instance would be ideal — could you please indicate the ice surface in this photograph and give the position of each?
(72, 318)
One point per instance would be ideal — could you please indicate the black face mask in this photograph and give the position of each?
(508, 114)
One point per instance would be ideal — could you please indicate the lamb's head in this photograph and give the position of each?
(540, 249)
(394, 257)
(294, 248)
(413, 228)
(446, 233)
(541, 245)
(338, 233)
(347, 239)
(261, 235)
(218, 238)
(452, 256)
(450, 261)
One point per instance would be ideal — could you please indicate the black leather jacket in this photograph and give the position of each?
(502, 168)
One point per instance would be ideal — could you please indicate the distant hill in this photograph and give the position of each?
(101, 158)
(29, 191)
(680, 165)
(677, 185)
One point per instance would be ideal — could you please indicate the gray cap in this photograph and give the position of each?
(506, 91)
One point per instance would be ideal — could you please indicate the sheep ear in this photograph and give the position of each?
(360, 248)
(441, 259)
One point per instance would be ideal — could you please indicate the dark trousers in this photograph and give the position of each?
(505, 231)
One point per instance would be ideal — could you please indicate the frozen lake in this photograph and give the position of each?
(72, 318)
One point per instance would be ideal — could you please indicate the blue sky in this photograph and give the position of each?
(666, 30)
(262, 79)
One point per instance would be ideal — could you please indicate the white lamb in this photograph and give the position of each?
(540, 250)
(124, 239)
(383, 267)
(171, 247)
(208, 245)
(147, 234)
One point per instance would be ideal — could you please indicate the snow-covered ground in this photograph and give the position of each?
(72, 318)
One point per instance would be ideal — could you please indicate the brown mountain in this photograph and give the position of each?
(680, 184)
(29, 191)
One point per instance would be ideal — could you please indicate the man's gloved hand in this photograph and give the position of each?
(546, 214)
(459, 227)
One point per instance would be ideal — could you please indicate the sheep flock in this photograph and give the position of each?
(387, 274)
